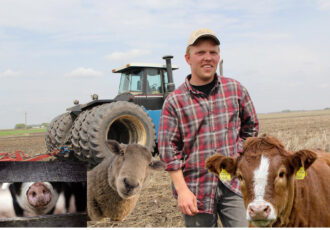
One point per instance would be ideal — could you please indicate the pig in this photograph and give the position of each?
(34, 198)
(78, 190)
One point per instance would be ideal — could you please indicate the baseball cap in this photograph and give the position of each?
(203, 32)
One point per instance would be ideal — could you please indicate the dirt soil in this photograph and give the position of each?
(156, 206)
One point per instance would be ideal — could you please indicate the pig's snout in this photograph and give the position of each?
(39, 195)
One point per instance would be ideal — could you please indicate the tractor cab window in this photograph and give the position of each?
(165, 80)
(154, 81)
(131, 82)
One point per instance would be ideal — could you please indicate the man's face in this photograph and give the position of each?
(203, 59)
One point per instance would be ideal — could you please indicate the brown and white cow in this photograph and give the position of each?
(272, 194)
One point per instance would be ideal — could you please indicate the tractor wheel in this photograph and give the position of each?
(79, 137)
(50, 134)
(59, 132)
(122, 121)
(75, 138)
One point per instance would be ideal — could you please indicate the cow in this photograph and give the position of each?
(275, 188)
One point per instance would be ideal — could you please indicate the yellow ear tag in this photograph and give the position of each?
(301, 173)
(224, 175)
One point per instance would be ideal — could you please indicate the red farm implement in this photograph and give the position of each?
(20, 156)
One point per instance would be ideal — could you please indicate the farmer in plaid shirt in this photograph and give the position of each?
(207, 114)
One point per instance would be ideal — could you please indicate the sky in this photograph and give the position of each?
(55, 51)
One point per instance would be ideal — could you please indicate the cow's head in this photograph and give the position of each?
(266, 172)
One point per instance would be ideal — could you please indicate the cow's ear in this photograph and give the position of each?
(303, 158)
(115, 147)
(217, 162)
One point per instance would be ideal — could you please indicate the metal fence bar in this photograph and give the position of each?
(54, 171)
(58, 220)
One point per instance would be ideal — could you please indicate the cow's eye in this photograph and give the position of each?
(281, 174)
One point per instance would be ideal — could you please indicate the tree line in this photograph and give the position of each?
(22, 126)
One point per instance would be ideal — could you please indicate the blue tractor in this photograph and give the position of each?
(131, 117)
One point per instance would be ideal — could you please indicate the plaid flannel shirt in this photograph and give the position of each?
(194, 126)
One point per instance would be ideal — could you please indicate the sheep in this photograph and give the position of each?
(114, 186)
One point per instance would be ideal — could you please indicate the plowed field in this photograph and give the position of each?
(156, 206)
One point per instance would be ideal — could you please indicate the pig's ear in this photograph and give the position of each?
(4, 185)
(157, 165)
(115, 147)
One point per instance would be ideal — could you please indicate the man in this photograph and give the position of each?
(207, 114)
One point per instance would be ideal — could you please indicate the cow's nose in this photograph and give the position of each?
(259, 211)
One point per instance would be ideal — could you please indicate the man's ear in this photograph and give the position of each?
(217, 162)
(187, 57)
(303, 158)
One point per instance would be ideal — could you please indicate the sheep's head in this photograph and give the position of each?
(131, 168)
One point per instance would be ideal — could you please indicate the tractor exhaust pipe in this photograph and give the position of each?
(221, 67)
(170, 84)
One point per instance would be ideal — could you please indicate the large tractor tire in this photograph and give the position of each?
(59, 132)
(50, 133)
(80, 138)
(122, 121)
(78, 150)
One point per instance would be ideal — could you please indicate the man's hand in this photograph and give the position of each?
(187, 201)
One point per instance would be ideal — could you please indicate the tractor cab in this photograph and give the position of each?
(145, 84)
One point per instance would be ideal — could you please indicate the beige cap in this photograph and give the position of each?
(203, 32)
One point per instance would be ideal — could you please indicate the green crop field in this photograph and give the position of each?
(20, 132)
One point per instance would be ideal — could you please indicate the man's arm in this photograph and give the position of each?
(187, 201)
(248, 116)
(169, 138)
(170, 151)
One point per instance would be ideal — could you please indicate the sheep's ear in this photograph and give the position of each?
(157, 165)
(115, 147)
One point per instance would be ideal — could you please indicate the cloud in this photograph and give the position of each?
(323, 4)
(76, 20)
(82, 72)
(324, 85)
(265, 35)
(128, 55)
(9, 73)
